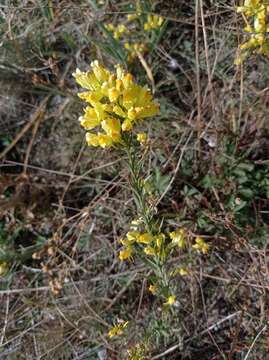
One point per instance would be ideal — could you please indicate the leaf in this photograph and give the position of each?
(246, 166)
(246, 192)
(114, 48)
(158, 35)
(208, 182)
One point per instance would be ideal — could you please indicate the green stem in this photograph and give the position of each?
(143, 209)
(138, 190)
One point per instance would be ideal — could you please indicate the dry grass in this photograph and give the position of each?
(70, 203)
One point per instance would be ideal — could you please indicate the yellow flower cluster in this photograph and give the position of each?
(152, 244)
(178, 237)
(117, 31)
(153, 22)
(133, 49)
(131, 32)
(254, 13)
(117, 329)
(159, 245)
(115, 101)
(133, 237)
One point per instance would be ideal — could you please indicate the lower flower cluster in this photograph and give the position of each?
(159, 245)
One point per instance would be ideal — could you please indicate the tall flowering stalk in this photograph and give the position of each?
(115, 104)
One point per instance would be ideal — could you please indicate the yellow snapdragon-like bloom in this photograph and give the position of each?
(3, 267)
(116, 31)
(131, 17)
(255, 15)
(159, 240)
(171, 300)
(132, 235)
(117, 329)
(116, 104)
(200, 245)
(182, 271)
(178, 237)
(133, 49)
(153, 289)
(149, 250)
(126, 253)
(153, 22)
(141, 138)
(135, 223)
(145, 238)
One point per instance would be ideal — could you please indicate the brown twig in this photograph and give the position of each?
(40, 109)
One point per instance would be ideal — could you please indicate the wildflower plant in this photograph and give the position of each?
(115, 105)
(118, 329)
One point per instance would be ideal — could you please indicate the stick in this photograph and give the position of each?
(33, 119)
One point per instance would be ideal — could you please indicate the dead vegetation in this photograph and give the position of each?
(64, 206)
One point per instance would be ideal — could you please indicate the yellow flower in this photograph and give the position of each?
(132, 235)
(116, 103)
(3, 267)
(145, 238)
(153, 289)
(127, 46)
(131, 17)
(92, 139)
(112, 128)
(201, 245)
(122, 28)
(149, 250)
(125, 242)
(136, 223)
(104, 140)
(110, 27)
(117, 329)
(125, 254)
(113, 94)
(171, 300)
(119, 31)
(99, 71)
(182, 271)
(127, 125)
(133, 49)
(159, 240)
(141, 137)
(153, 22)
(178, 237)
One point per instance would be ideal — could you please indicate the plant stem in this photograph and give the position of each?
(144, 210)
